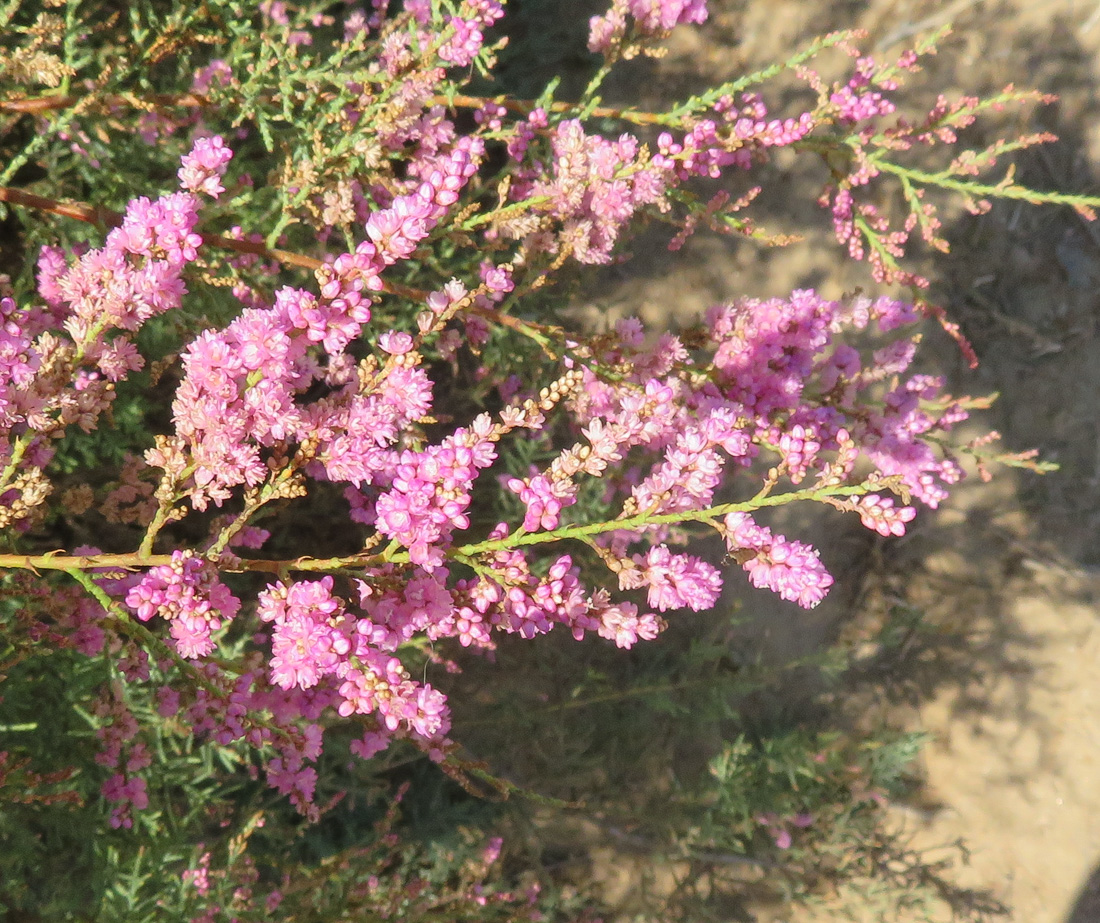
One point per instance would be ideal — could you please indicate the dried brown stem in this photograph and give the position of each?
(81, 211)
(526, 107)
(135, 561)
(36, 105)
(105, 217)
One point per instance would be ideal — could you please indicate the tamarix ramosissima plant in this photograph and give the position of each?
(238, 148)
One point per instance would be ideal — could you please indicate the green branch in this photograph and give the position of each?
(519, 538)
(1004, 190)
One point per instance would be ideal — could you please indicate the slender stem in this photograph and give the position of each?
(105, 217)
(18, 450)
(526, 107)
(79, 210)
(996, 191)
(81, 562)
(121, 622)
(519, 538)
(38, 104)
(160, 520)
(239, 522)
(134, 560)
(35, 105)
(463, 553)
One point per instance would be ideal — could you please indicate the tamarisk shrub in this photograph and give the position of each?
(325, 212)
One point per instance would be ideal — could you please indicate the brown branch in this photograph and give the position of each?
(286, 257)
(135, 560)
(37, 105)
(81, 211)
(526, 107)
(105, 217)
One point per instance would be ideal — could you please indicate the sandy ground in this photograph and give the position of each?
(1008, 577)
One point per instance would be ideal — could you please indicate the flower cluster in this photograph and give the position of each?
(240, 385)
(791, 569)
(777, 380)
(127, 754)
(650, 17)
(306, 640)
(429, 492)
(59, 360)
(673, 581)
(596, 187)
(188, 594)
(431, 230)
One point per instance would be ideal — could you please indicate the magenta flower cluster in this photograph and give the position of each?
(189, 595)
(239, 391)
(59, 360)
(308, 390)
(596, 188)
(791, 569)
(649, 17)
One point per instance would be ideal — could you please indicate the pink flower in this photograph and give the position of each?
(308, 637)
(596, 187)
(127, 794)
(430, 494)
(190, 596)
(650, 16)
(676, 580)
(624, 626)
(879, 514)
(544, 499)
(394, 343)
(199, 878)
(204, 167)
(791, 569)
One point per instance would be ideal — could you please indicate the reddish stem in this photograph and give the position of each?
(36, 105)
(105, 217)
